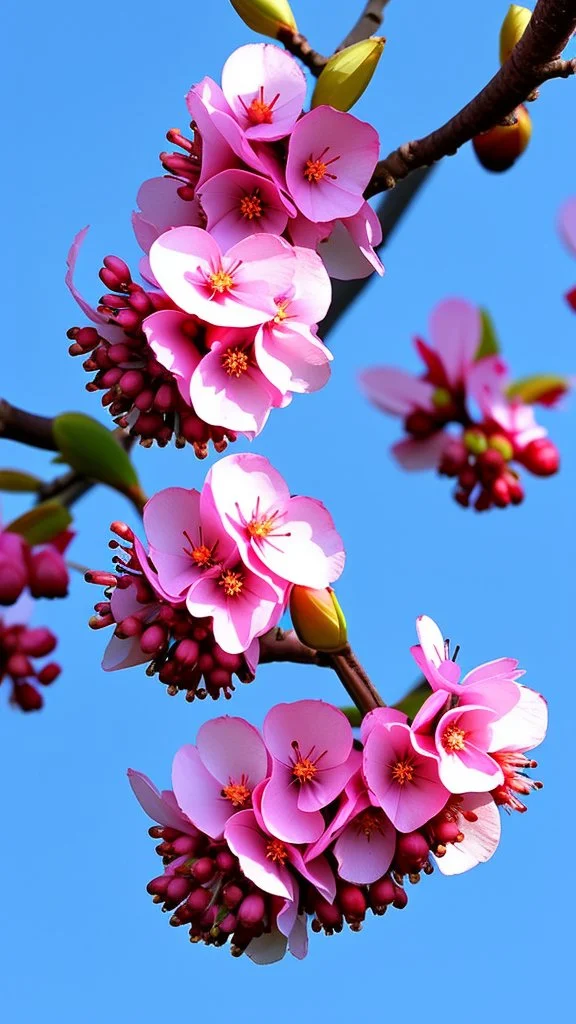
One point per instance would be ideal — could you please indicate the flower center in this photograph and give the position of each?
(201, 554)
(403, 771)
(368, 822)
(221, 281)
(276, 851)
(317, 169)
(251, 206)
(260, 527)
(232, 582)
(237, 793)
(281, 311)
(260, 112)
(235, 362)
(453, 738)
(304, 770)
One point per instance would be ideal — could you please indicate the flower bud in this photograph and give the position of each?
(48, 573)
(500, 147)
(513, 28)
(541, 457)
(268, 17)
(475, 441)
(501, 444)
(318, 618)
(347, 74)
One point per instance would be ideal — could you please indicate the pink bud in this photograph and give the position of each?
(252, 909)
(27, 697)
(38, 642)
(541, 457)
(48, 573)
(153, 639)
(203, 870)
(49, 673)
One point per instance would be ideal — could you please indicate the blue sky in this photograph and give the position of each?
(88, 93)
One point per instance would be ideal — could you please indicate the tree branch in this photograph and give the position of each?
(368, 23)
(534, 60)
(19, 425)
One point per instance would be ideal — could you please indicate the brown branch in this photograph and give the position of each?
(368, 23)
(26, 427)
(534, 60)
(282, 645)
(299, 47)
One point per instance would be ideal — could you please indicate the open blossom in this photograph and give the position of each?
(461, 416)
(265, 89)
(293, 538)
(310, 743)
(238, 204)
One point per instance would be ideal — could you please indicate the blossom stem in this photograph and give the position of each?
(356, 681)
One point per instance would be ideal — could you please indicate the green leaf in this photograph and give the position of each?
(489, 345)
(353, 715)
(42, 523)
(91, 449)
(18, 482)
(412, 701)
(541, 387)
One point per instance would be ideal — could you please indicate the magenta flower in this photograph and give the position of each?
(162, 208)
(291, 537)
(236, 289)
(403, 782)
(364, 838)
(224, 143)
(476, 817)
(238, 204)
(310, 743)
(265, 89)
(170, 335)
(20, 645)
(215, 778)
(267, 861)
(331, 157)
(241, 603)
(229, 387)
(160, 806)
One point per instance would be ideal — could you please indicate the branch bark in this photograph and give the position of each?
(534, 60)
(368, 23)
(19, 425)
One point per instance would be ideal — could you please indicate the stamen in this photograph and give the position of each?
(221, 281)
(276, 851)
(235, 362)
(232, 582)
(403, 771)
(260, 112)
(454, 738)
(251, 206)
(237, 793)
(317, 169)
(304, 770)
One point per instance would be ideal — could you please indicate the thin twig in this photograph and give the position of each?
(534, 60)
(299, 47)
(368, 23)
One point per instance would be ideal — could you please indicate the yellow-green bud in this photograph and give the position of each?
(501, 444)
(268, 17)
(475, 441)
(347, 74)
(441, 397)
(513, 28)
(318, 619)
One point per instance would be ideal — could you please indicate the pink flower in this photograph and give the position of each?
(265, 90)
(215, 779)
(224, 143)
(403, 782)
(291, 537)
(349, 250)
(229, 387)
(267, 861)
(521, 729)
(363, 838)
(286, 348)
(239, 204)
(310, 743)
(463, 738)
(331, 157)
(236, 289)
(160, 806)
(567, 228)
(162, 208)
(476, 817)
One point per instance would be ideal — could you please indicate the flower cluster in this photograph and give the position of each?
(226, 328)
(215, 575)
(462, 416)
(28, 572)
(261, 831)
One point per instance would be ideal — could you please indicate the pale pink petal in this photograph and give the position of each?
(264, 72)
(217, 154)
(236, 620)
(417, 455)
(241, 403)
(364, 858)
(305, 548)
(481, 837)
(349, 149)
(250, 845)
(298, 939)
(155, 804)
(173, 348)
(430, 639)
(109, 331)
(396, 391)
(315, 726)
(327, 785)
(268, 948)
(567, 224)
(506, 668)
(280, 811)
(311, 291)
(380, 716)
(317, 871)
(524, 727)
(292, 357)
(162, 208)
(232, 749)
(501, 695)
(348, 252)
(222, 199)
(455, 332)
(123, 654)
(239, 485)
(198, 793)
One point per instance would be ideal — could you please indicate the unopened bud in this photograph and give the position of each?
(541, 457)
(268, 17)
(500, 147)
(513, 28)
(501, 444)
(318, 619)
(475, 442)
(347, 74)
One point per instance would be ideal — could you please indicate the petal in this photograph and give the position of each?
(236, 620)
(162, 208)
(292, 357)
(110, 331)
(280, 811)
(396, 391)
(481, 837)
(327, 786)
(455, 330)
(268, 948)
(417, 455)
(240, 403)
(232, 749)
(380, 716)
(198, 793)
(222, 197)
(250, 845)
(567, 224)
(363, 859)
(319, 729)
(123, 654)
(262, 71)
(524, 727)
(217, 154)
(305, 548)
(173, 348)
(431, 640)
(411, 805)
(154, 804)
